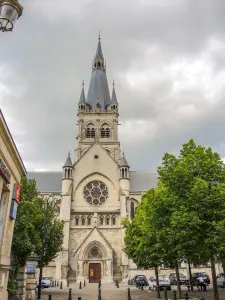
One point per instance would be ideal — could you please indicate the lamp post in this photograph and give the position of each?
(51, 200)
(10, 11)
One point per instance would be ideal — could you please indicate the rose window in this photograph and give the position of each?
(96, 192)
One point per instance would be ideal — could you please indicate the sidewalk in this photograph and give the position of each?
(110, 292)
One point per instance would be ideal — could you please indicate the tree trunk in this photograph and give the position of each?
(178, 280)
(215, 287)
(157, 279)
(190, 274)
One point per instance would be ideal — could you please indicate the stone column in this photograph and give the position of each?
(30, 287)
(21, 282)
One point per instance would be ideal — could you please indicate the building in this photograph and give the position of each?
(11, 171)
(98, 189)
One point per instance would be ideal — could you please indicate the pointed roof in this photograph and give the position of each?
(68, 162)
(82, 95)
(99, 48)
(114, 98)
(98, 93)
(123, 161)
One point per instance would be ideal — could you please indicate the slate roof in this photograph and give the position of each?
(123, 162)
(52, 181)
(68, 162)
(114, 98)
(98, 90)
(82, 95)
(99, 49)
(47, 181)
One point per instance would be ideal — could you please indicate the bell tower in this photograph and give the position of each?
(98, 113)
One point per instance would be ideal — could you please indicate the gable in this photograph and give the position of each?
(94, 239)
(96, 160)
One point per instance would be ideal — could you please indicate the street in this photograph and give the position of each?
(110, 292)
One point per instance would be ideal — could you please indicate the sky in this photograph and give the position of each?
(167, 58)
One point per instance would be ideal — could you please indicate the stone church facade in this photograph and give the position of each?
(98, 190)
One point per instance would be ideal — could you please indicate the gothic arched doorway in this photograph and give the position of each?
(94, 272)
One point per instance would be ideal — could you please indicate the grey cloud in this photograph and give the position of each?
(50, 53)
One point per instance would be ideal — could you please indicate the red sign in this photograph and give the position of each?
(16, 192)
(18, 189)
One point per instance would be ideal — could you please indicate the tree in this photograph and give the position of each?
(29, 226)
(196, 177)
(141, 242)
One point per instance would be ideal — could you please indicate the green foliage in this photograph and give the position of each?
(183, 219)
(12, 283)
(29, 226)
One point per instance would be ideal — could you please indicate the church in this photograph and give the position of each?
(98, 190)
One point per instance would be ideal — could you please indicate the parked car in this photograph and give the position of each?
(173, 279)
(164, 282)
(220, 279)
(204, 275)
(45, 283)
(51, 279)
(141, 279)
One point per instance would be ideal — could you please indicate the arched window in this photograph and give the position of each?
(122, 173)
(77, 221)
(107, 220)
(132, 210)
(83, 221)
(99, 64)
(89, 220)
(105, 131)
(90, 131)
(101, 219)
(113, 220)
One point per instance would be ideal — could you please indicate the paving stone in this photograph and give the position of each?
(111, 292)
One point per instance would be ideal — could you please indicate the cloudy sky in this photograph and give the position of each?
(167, 58)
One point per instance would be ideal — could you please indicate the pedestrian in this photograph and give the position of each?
(201, 283)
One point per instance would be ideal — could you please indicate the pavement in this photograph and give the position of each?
(110, 292)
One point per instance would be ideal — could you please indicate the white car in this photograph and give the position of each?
(220, 280)
(164, 282)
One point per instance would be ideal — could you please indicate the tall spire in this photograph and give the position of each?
(114, 98)
(99, 53)
(98, 96)
(82, 95)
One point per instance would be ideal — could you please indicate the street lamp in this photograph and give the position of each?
(10, 11)
(53, 199)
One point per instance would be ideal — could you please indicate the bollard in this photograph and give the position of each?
(142, 287)
(80, 287)
(128, 295)
(61, 285)
(79, 298)
(57, 283)
(99, 284)
(158, 292)
(174, 295)
(165, 294)
(118, 284)
(202, 298)
(84, 283)
(49, 297)
(186, 296)
(99, 295)
(70, 294)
